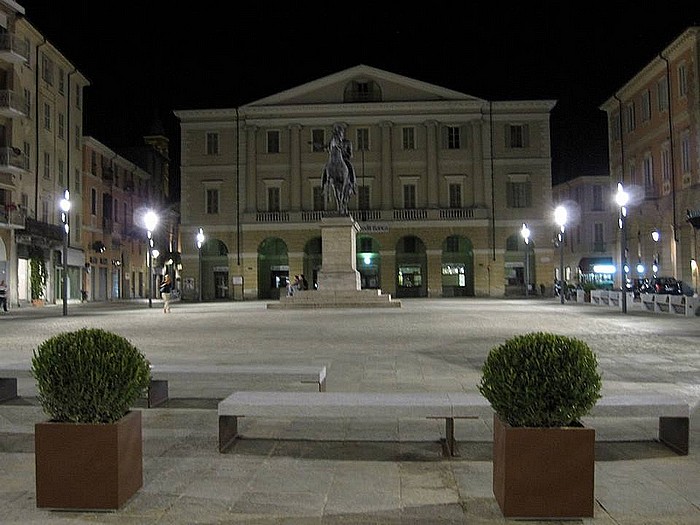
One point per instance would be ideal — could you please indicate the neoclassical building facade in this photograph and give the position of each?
(445, 182)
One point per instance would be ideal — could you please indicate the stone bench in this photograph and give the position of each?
(673, 414)
(225, 374)
(447, 406)
(162, 374)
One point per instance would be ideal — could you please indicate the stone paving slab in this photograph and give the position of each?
(375, 471)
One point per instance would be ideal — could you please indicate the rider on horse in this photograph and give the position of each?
(339, 172)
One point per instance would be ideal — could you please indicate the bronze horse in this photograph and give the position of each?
(339, 176)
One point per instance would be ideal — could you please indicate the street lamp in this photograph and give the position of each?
(200, 242)
(560, 216)
(150, 220)
(65, 208)
(525, 232)
(655, 236)
(621, 198)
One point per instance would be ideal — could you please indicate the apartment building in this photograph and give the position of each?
(41, 126)
(445, 182)
(119, 188)
(654, 147)
(590, 240)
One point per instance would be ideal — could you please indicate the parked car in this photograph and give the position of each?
(664, 285)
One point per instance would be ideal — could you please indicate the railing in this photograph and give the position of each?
(15, 45)
(12, 216)
(14, 101)
(13, 158)
(442, 214)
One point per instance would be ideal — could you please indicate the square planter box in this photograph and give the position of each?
(88, 466)
(543, 472)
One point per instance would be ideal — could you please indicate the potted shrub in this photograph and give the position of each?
(540, 385)
(89, 454)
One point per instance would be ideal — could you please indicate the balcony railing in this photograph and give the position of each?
(12, 216)
(419, 214)
(13, 159)
(13, 104)
(13, 48)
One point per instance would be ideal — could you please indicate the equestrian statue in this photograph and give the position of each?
(339, 173)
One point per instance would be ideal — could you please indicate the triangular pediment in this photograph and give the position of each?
(346, 85)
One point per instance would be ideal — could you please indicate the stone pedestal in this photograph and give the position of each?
(338, 279)
(339, 247)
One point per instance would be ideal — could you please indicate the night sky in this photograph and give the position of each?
(148, 58)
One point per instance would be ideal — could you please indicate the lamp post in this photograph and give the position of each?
(65, 208)
(560, 216)
(655, 236)
(525, 232)
(621, 198)
(150, 220)
(200, 242)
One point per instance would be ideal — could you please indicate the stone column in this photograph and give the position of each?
(387, 176)
(295, 190)
(251, 169)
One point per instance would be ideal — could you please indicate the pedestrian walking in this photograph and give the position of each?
(3, 295)
(166, 289)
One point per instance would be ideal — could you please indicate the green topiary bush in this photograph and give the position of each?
(89, 376)
(541, 380)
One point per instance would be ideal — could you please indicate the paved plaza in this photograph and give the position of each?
(337, 471)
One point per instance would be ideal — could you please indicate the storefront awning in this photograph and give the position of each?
(586, 264)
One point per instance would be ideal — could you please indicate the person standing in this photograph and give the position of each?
(166, 288)
(3, 295)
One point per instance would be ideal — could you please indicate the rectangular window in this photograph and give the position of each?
(61, 172)
(61, 81)
(318, 140)
(597, 198)
(453, 137)
(646, 105)
(212, 140)
(685, 153)
(409, 196)
(682, 80)
(518, 194)
(47, 165)
(46, 69)
(47, 116)
(61, 126)
(77, 137)
(115, 207)
(598, 238)
(44, 211)
(363, 197)
(93, 201)
(273, 199)
(28, 100)
(273, 141)
(212, 203)
(408, 138)
(662, 94)
(75, 229)
(362, 139)
(78, 97)
(648, 174)
(77, 183)
(455, 191)
(517, 136)
(319, 202)
(666, 164)
(631, 117)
